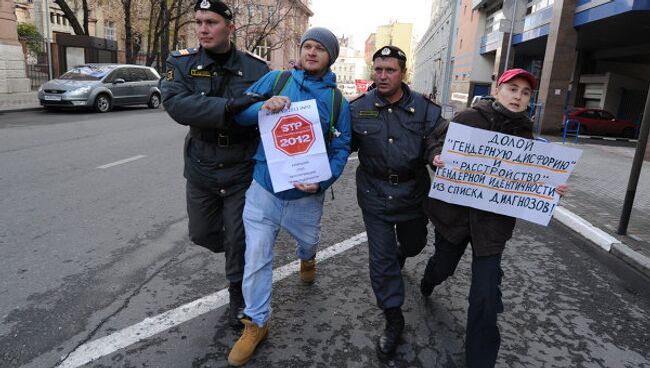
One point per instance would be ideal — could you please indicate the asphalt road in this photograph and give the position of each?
(92, 247)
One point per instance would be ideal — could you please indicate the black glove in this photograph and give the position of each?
(236, 105)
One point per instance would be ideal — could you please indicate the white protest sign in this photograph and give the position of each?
(502, 173)
(294, 145)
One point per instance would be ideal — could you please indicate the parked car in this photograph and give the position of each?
(599, 122)
(102, 86)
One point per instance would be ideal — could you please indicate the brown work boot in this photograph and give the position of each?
(244, 348)
(308, 270)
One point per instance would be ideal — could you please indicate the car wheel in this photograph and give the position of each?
(102, 103)
(154, 101)
(628, 133)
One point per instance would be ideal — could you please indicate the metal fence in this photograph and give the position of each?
(36, 60)
(536, 116)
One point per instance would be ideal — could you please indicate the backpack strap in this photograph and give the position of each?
(337, 105)
(281, 81)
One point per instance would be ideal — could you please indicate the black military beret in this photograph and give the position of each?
(390, 51)
(216, 6)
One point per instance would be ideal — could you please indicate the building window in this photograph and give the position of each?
(52, 18)
(263, 50)
(535, 6)
(109, 30)
(493, 20)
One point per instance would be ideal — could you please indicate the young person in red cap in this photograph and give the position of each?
(456, 225)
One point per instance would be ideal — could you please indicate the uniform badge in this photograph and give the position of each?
(228, 13)
(412, 110)
(239, 73)
(368, 113)
(205, 4)
(199, 67)
(200, 73)
(385, 51)
(170, 74)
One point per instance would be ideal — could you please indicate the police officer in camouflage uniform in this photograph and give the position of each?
(203, 89)
(390, 123)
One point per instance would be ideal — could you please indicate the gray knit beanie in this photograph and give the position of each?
(326, 38)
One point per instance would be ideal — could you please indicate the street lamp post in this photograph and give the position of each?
(512, 30)
(637, 163)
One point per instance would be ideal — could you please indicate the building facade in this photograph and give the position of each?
(269, 28)
(432, 61)
(585, 53)
(349, 67)
(400, 35)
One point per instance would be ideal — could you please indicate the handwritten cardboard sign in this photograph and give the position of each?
(502, 173)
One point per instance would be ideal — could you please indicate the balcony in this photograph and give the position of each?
(535, 25)
(491, 41)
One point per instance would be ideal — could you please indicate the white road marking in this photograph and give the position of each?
(121, 162)
(103, 346)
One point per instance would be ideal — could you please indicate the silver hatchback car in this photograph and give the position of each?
(102, 86)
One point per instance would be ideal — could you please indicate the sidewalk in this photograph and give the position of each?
(19, 101)
(594, 203)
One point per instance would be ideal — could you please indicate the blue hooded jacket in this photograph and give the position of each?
(302, 87)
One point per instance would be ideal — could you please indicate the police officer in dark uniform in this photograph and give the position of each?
(203, 89)
(390, 123)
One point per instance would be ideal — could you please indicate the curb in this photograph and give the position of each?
(608, 138)
(18, 109)
(603, 240)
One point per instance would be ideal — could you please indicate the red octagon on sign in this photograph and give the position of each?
(293, 135)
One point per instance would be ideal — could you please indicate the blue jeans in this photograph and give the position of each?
(264, 215)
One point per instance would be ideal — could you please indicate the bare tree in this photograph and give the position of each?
(166, 20)
(71, 16)
(128, 32)
(268, 24)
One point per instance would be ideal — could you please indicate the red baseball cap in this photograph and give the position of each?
(514, 73)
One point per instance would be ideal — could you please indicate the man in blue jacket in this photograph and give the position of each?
(297, 210)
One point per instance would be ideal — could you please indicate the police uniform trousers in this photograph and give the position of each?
(215, 222)
(482, 335)
(384, 254)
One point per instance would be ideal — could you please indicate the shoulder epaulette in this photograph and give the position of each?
(357, 98)
(256, 57)
(184, 52)
(431, 100)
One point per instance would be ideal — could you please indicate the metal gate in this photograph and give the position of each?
(36, 60)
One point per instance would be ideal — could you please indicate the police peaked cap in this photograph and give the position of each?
(216, 6)
(390, 51)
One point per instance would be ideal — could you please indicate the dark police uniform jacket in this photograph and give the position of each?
(392, 177)
(195, 89)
